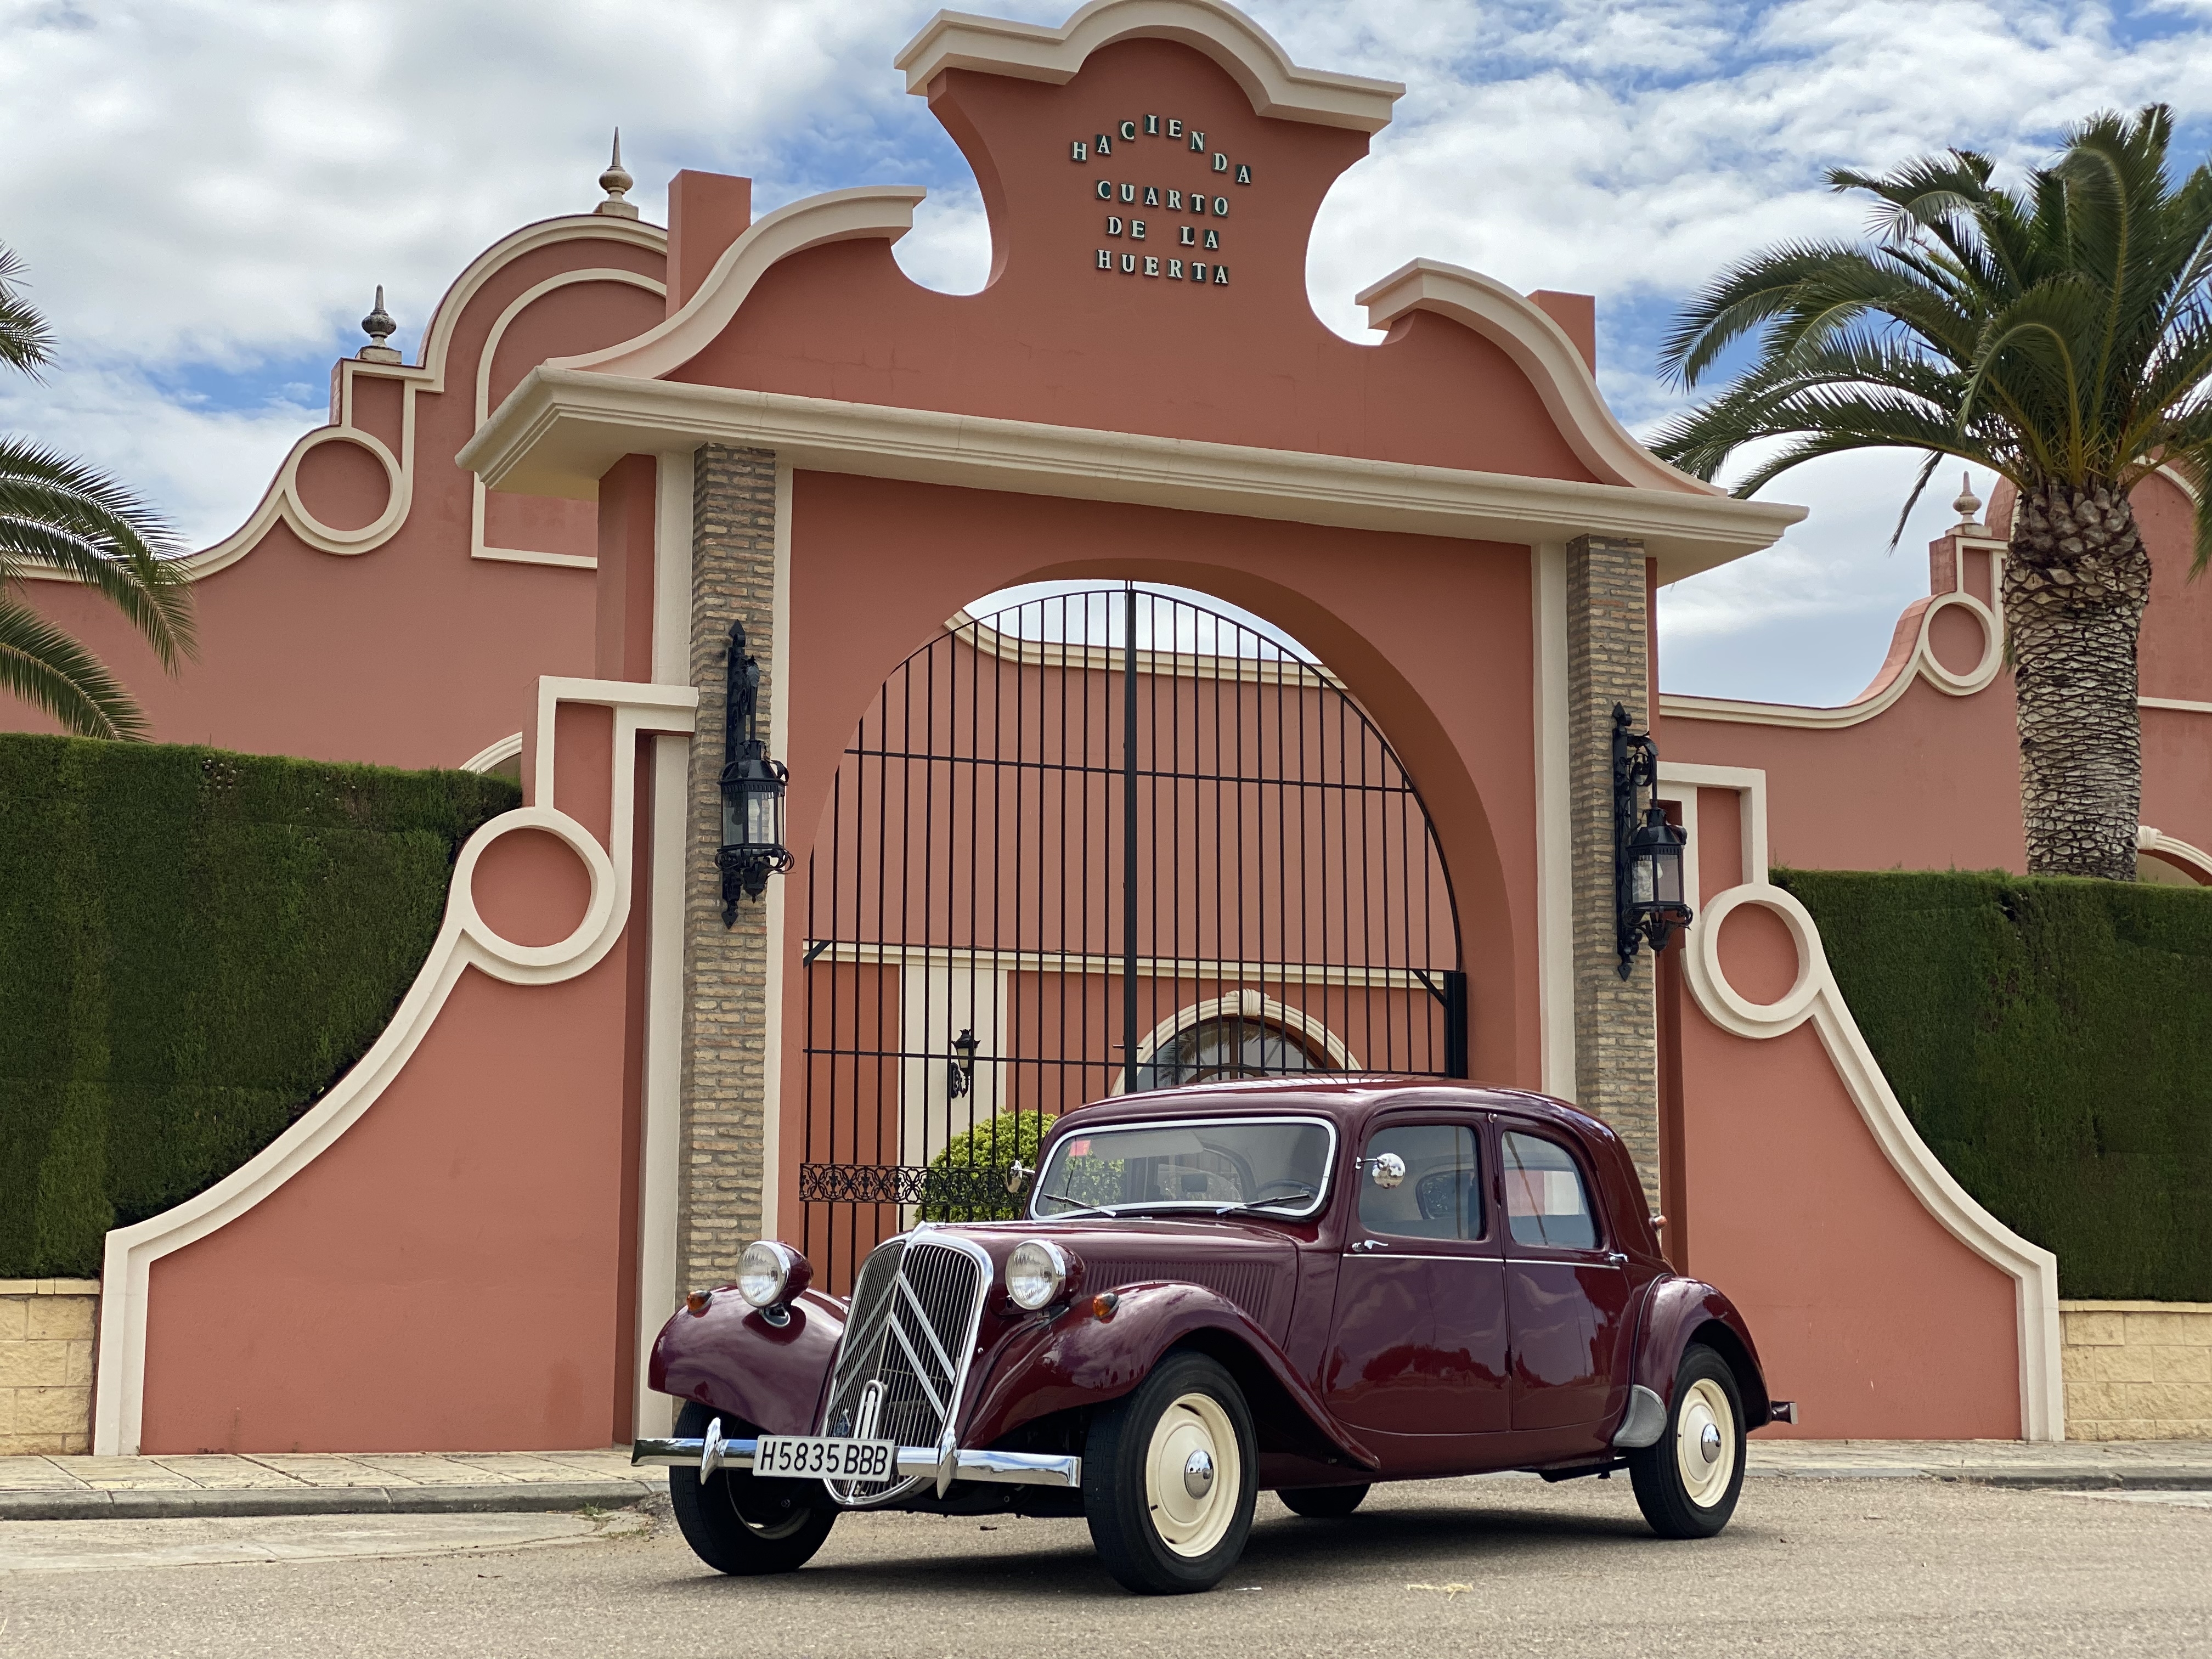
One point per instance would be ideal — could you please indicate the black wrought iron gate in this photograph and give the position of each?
(1096, 842)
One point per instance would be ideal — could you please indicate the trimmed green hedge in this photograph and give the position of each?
(2052, 1041)
(193, 946)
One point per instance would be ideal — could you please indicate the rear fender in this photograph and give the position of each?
(1080, 1360)
(731, 1359)
(1681, 1311)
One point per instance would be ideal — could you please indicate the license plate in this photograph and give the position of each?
(808, 1456)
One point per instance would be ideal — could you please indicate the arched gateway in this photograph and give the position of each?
(1085, 827)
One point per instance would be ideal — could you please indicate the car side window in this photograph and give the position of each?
(1545, 1200)
(1436, 1195)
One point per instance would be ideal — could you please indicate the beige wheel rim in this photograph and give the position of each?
(1194, 1474)
(1705, 1442)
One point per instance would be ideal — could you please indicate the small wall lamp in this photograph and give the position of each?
(1647, 850)
(752, 787)
(962, 1077)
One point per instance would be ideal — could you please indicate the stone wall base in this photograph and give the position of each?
(2137, 1370)
(46, 1327)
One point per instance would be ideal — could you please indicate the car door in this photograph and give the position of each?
(1567, 1290)
(1420, 1343)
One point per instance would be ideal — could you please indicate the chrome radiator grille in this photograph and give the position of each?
(908, 1341)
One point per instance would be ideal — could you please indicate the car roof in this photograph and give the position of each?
(1346, 1098)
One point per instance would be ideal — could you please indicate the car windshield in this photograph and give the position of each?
(1278, 1166)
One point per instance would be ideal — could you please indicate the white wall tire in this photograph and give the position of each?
(1169, 1479)
(1688, 1482)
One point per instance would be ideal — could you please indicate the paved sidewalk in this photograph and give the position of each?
(274, 1483)
(297, 1483)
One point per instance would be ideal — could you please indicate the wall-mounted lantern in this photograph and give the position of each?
(752, 785)
(1647, 850)
(962, 1077)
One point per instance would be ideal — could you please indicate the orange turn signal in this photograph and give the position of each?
(1104, 1303)
(697, 1301)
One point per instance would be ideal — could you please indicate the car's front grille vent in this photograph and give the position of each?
(908, 1341)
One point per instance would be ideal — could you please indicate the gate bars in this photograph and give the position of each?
(1091, 843)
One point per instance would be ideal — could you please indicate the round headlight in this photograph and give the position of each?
(764, 1272)
(1035, 1274)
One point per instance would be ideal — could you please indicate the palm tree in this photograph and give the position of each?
(60, 512)
(2060, 335)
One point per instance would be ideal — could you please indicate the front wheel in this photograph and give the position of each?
(1170, 1477)
(739, 1524)
(1686, 1483)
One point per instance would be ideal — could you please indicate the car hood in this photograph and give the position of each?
(1253, 1265)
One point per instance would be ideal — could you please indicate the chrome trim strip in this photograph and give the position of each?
(1320, 1199)
(1005, 1469)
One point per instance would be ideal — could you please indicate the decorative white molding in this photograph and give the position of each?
(464, 940)
(873, 211)
(780, 905)
(2195, 859)
(1918, 662)
(1239, 1004)
(1814, 996)
(522, 302)
(492, 755)
(1555, 894)
(2178, 705)
(1541, 350)
(1247, 52)
(280, 502)
(561, 429)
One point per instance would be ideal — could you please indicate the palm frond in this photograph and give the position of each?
(26, 341)
(52, 671)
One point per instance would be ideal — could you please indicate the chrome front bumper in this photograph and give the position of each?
(714, 1451)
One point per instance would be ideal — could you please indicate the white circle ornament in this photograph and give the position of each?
(1194, 1474)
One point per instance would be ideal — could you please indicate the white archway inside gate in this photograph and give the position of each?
(1248, 1005)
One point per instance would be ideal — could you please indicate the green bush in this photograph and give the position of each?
(2052, 1041)
(193, 946)
(967, 1182)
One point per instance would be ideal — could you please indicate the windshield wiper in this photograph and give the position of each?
(1081, 1209)
(1261, 1206)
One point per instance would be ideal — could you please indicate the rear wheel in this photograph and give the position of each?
(1322, 1503)
(740, 1525)
(1170, 1477)
(1686, 1483)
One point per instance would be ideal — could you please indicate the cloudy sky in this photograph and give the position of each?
(206, 190)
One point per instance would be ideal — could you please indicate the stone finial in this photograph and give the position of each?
(616, 181)
(1968, 504)
(380, 328)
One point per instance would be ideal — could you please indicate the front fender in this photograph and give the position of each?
(731, 1359)
(1081, 1360)
(1681, 1311)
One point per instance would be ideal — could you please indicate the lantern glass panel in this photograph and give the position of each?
(1643, 878)
(1667, 873)
(760, 814)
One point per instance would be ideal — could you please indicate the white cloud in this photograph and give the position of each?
(218, 184)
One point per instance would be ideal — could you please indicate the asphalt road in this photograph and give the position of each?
(1472, 1569)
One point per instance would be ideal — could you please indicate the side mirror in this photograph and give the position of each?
(1386, 1169)
(1017, 1177)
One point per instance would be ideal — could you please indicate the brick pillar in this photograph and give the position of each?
(1608, 662)
(726, 1032)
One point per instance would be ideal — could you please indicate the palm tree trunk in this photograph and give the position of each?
(2074, 587)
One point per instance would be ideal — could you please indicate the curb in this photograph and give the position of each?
(535, 1498)
(2052, 1477)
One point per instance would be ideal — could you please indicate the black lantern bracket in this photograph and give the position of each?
(960, 1079)
(752, 787)
(1649, 903)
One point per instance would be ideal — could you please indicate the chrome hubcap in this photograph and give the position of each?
(1709, 1443)
(1197, 1474)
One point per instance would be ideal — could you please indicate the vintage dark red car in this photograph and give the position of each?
(1300, 1285)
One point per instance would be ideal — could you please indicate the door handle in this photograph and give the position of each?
(1366, 1244)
